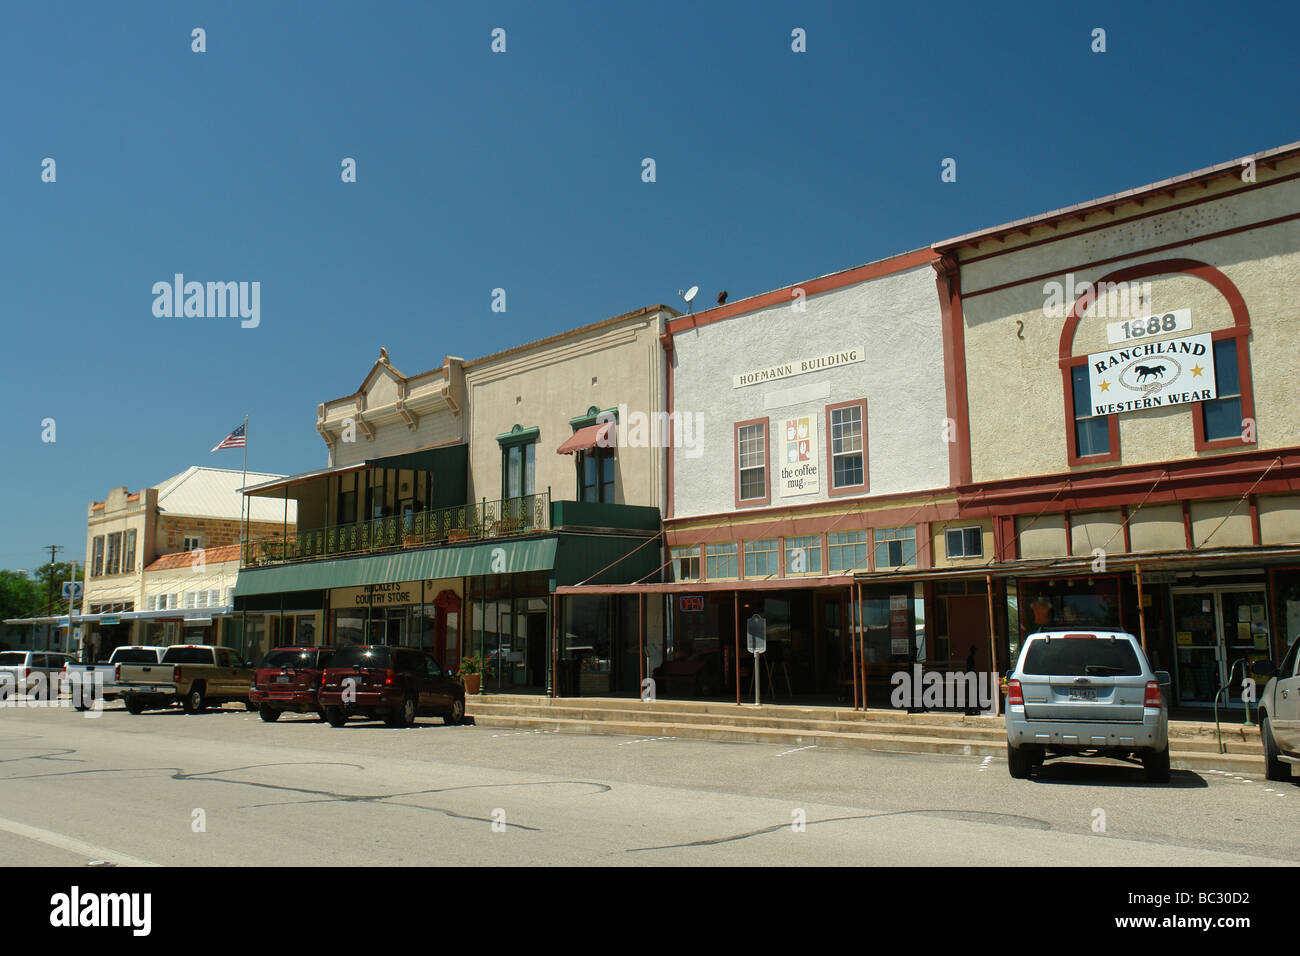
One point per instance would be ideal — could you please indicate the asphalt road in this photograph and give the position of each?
(224, 788)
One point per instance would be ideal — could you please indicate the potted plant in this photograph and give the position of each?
(472, 669)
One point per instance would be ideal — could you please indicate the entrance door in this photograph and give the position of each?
(1217, 633)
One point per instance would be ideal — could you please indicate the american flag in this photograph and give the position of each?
(234, 440)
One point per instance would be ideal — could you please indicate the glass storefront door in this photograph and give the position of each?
(1217, 633)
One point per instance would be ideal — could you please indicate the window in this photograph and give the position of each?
(761, 559)
(1091, 432)
(190, 599)
(895, 547)
(847, 550)
(214, 597)
(752, 486)
(720, 560)
(128, 559)
(596, 475)
(192, 542)
(97, 563)
(965, 543)
(1222, 415)
(803, 555)
(113, 563)
(686, 564)
(347, 509)
(518, 469)
(846, 426)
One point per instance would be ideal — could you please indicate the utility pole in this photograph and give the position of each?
(49, 605)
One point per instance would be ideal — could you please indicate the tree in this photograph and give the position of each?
(17, 594)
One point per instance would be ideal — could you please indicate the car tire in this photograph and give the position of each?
(1274, 769)
(249, 705)
(1019, 762)
(404, 716)
(457, 713)
(268, 713)
(335, 716)
(1156, 765)
(193, 701)
(134, 705)
(320, 712)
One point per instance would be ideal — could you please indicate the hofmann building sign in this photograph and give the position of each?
(798, 367)
(1152, 375)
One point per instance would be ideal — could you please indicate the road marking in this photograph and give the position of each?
(796, 750)
(521, 733)
(96, 854)
(644, 740)
(985, 765)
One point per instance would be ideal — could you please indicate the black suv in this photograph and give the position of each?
(396, 683)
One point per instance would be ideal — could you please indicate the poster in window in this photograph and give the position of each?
(799, 469)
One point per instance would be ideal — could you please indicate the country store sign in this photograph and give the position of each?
(1152, 375)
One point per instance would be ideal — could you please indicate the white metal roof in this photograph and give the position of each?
(214, 493)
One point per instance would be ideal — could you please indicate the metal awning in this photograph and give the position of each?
(453, 561)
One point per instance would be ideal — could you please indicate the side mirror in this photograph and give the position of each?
(1163, 678)
(1263, 668)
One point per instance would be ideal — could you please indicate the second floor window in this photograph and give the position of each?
(113, 563)
(686, 563)
(761, 558)
(596, 475)
(97, 559)
(1223, 414)
(895, 547)
(518, 468)
(1091, 431)
(128, 557)
(192, 542)
(848, 455)
(751, 463)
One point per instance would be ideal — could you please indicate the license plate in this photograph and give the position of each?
(282, 678)
(1082, 694)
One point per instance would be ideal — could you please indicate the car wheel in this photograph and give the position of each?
(1274, 768)
(193, 702)
(320, 712)
(134, 705)
(269, 714)
(457, 714)
(405, 715)
(249, 705)
(1019, 762)
(1156, 764)
(335, 716)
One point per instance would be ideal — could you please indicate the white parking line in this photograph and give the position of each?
(644, 740)
(521, 733)
(796, 750)
(985, 765)
(93, 853)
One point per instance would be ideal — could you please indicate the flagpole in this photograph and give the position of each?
(243, 498)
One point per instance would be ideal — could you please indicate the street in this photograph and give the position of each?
(224, 788)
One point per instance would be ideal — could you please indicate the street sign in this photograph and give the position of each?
(71, 589)
(108, 620)
(756, 634)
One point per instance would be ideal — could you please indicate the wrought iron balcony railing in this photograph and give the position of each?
(483, 519)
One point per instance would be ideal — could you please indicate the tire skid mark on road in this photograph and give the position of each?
(966, 815)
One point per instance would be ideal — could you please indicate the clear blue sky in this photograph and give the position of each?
(522, 171)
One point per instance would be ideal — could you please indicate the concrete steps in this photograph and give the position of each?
(1194, 744)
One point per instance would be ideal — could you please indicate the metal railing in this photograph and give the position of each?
(483, 519)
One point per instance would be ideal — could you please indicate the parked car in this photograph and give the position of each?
(36, 672)
(1279, 714)
(1089, 693)
(288, 678)
(197, 675)
(396, 683)
(75, 674)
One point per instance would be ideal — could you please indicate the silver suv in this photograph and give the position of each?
(1090, 693)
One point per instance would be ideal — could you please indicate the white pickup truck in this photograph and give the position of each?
(82, 679)
(1279, 714)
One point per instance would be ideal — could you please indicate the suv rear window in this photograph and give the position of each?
(188, 655)
(11, 658)
(307, 659)
(1081, 656)
(136, 657)
(363, 656)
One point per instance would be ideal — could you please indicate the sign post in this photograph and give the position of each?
(71, 592)
(756, 640)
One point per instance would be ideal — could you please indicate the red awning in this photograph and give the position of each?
(601, 435)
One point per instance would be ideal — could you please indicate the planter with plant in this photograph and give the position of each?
(472, 670)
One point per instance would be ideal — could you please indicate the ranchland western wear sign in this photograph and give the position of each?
(799, 367)
(1152, 375)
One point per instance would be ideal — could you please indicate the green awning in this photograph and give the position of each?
(492, 557)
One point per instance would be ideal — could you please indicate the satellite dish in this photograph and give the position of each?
(691, 293)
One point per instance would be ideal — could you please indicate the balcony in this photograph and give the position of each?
(480, 521)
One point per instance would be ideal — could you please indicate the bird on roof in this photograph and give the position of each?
(722, 297)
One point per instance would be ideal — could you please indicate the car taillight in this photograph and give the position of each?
(1153, 695)
(1014, 693)
(176, 675)
(27, 672)
(322, 678)
(388, 676)
(117, 672)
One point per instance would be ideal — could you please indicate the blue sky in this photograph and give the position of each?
(521, 171)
